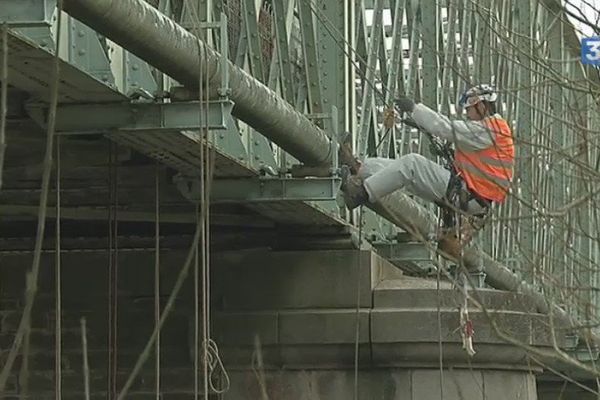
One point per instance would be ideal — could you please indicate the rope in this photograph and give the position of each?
(109, 377)
(216, 364)
(58, 272)
(32, 277)
(204, 209)
(157, 280)
(213, 360)
(113, 272)
(210, 354)
(196, 312)
(440, 339)
(358, 287)
(200, 210)
(3, 96)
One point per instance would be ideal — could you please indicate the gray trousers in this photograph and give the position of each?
(411, 172)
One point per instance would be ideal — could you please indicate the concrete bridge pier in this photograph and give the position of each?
(301, 305)
(302, 308)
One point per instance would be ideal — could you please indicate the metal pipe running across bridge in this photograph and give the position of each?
(157, 39)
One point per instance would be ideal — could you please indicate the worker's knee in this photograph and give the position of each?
(410, 161)
(412, 158)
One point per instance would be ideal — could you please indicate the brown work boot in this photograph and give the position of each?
(449, 245)
(345, 153)
(354, 191)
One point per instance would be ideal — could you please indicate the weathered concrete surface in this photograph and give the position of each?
(302, 306)
(388, 384)
(560, 390)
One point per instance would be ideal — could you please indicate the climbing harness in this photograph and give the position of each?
(455, 220)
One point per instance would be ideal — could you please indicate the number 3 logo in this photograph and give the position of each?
(590, 51)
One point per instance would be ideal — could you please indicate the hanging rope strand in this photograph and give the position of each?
(205, 228)
(357, 316)
(115, 290)
(109, 378)
(197, 311)
(58, 278)
(157, 279)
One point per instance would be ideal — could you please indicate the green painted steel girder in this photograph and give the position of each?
(19, 13)
(261, 189)
(367, 118)
(254, 48)
(155, 38)
(92, 118)
(525, 165)
(429, 52)
(333, 63)
(87, 54)
(311, 57)
(283, 51)
(396, 70)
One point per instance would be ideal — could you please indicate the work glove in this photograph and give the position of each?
(404, 104)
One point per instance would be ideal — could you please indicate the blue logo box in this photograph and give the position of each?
(590, 51)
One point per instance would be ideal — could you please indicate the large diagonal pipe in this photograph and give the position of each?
(157, 39)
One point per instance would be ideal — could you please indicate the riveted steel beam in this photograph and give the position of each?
(19, 13)
(160, 41)
(395, 71)
(175, 117)
(311, 57)
(261, 189)
(254, 48)
(283, 51)
(366, 117)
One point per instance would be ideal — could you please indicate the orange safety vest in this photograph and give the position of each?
(488, 172)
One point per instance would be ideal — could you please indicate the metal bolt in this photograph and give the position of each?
(135, 67)
(81, 33)
(81, 52)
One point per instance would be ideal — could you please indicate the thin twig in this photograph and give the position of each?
(24, 372)
(166, 312)
(86, 368)
(259, 371)
(31, 289)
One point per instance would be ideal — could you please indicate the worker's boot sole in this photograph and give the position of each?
(345, 153)
(354, 191)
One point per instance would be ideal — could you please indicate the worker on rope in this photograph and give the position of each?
(478, 171)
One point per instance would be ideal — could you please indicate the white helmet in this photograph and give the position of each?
(482, 92)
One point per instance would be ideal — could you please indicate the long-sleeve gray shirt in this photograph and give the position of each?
(466, 135)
